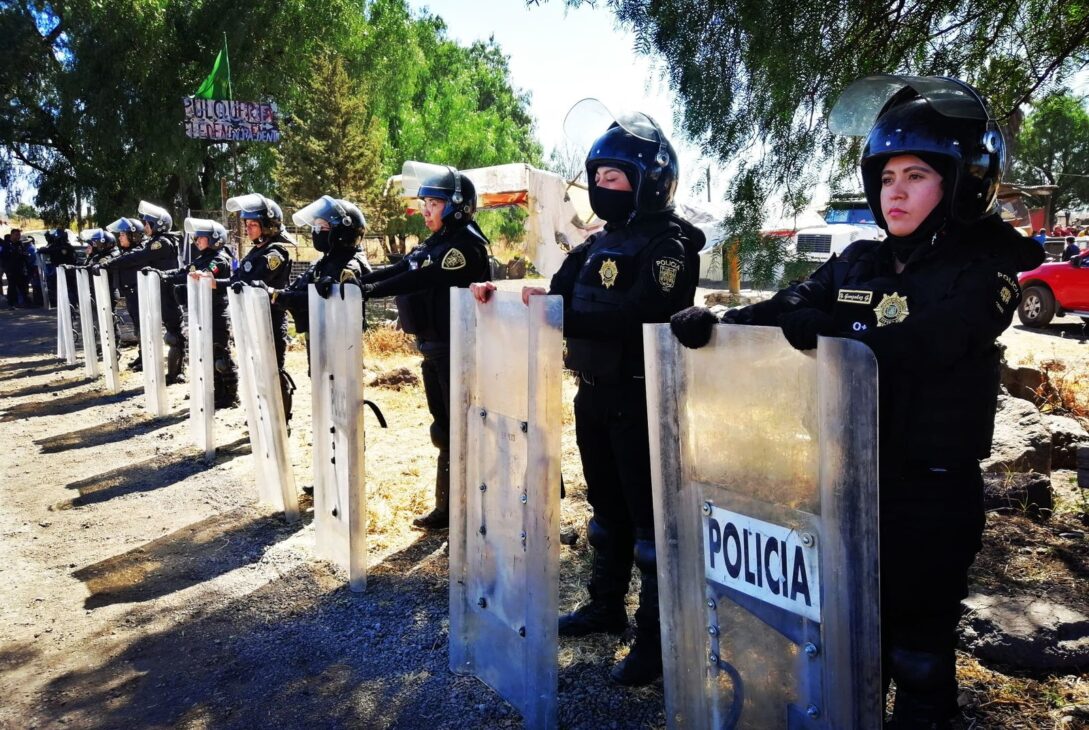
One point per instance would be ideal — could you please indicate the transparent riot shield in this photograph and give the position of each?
(149, 293)
(764, 466)
(87, 322)
(336, 377)
(259, 381)
(44, 279)
(106, 331)
(505, 422)
(201, 359)
(66, 340)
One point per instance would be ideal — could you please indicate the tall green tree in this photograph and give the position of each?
(1053, 149)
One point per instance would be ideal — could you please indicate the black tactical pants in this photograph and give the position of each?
(224, 369)
(436, 379)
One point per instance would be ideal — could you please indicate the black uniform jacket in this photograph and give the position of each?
(269, 262)
(455, 256)
(616, 281)
(217, 262)
(341, 264)
(932, 328)
(159, 252)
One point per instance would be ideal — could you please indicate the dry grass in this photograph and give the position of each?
(382, 343)
(1065, 389)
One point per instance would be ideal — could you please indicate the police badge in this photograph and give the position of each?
(608, 272)
(248, 266)
(892, 309)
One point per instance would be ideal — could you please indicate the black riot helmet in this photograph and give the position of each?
(424, 180)
(131, 227)
(934, 118)
(101, 240)
(156, 217)
(346, 222)
(633, 143)
(254, 206)
(213, 231)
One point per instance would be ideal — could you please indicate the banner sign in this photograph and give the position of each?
(222, 120)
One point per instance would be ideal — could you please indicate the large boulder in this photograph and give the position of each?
(1066, 436)
(1021, 440)
(1025, 632)
(1018, 492)
(1022, 382)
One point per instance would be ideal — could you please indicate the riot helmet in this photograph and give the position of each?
(156, 217)
(130, 227)
(99, 239)
(424, 180)
(202, 227)
(333, 222)
(633, 143)
(943, 121)
(254, 206)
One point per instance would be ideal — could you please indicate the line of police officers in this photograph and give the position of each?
(943, 282)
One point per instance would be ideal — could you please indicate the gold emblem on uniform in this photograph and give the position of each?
(892, 309)
(156, 245)
(454, 259)
(667, 273)
(192, 267)
(608, 273)
(1005, 295)
(347, 275)
(274, 261)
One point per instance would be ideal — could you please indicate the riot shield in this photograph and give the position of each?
(336, 376)
(149, 293)
(505, 422)
(201, 386)
(66, 341)
(44, 279)
(87, 322)
(764, 466)
(259, 382)
(106, 331)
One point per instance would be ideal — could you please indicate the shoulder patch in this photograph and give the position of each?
(1008, 294)
(192, 267)
(274, 260)
(453, 260)
(665, 272)
(156, 245)
(347, 275)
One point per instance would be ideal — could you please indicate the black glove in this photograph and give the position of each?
(236, 286)
(692, 326)
(93, 268)
(802, 326)
(324, 286)
(148, 269)
(367, 289)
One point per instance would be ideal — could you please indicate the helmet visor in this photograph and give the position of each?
(251, 205)
(124, 225)
(197, 227)
(420, 178)
(325, 209)
(149, 210)
(588, 119)
(91, 235)
(856, 110)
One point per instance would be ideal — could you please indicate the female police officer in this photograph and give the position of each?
(639, 269)
(929, 301)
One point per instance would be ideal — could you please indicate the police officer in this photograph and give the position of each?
(455, 254)
(130, 234)
(929, 300)
(336, 225)
(641, 268)
(58, 251)
(213, 260)
(268, 261)
(160, 252)
(14, 265)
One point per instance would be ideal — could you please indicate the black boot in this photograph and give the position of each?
(136, 365)
(287, 389)
(175, 359)
(609, 579)
(643, 664)
(438, 518)
(926, 689)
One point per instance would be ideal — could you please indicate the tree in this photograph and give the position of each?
(756, 93)
(1053, 149)
(25, 212)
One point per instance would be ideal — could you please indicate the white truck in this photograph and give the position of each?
(846, 219)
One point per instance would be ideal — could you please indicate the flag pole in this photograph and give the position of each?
(227, 58)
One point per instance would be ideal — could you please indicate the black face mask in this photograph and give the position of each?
(326, 241)
(906, 246)
(612, 206)
(323, 241)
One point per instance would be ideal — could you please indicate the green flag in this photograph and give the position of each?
(218, 83)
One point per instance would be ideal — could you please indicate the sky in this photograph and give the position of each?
(561, 55)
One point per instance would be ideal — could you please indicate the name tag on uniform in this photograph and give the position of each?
(854, 296)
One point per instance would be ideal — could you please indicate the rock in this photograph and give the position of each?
(396, 378)
(1066, 436)
(1025, 632)
(1022, 382)
(1017, 492)
(516, 268)
(1021, 441)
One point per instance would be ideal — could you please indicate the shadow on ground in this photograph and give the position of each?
(196, 553)
(49, 387)
(108, 433)
(66, 405)
(148, 475)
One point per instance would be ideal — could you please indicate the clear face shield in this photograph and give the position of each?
(418, 179)
(856, 110)
(212, 232)
(250, 206)
(150, 210)
(589, 119)
(323, 210)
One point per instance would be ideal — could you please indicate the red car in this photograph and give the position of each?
(1055, 289)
